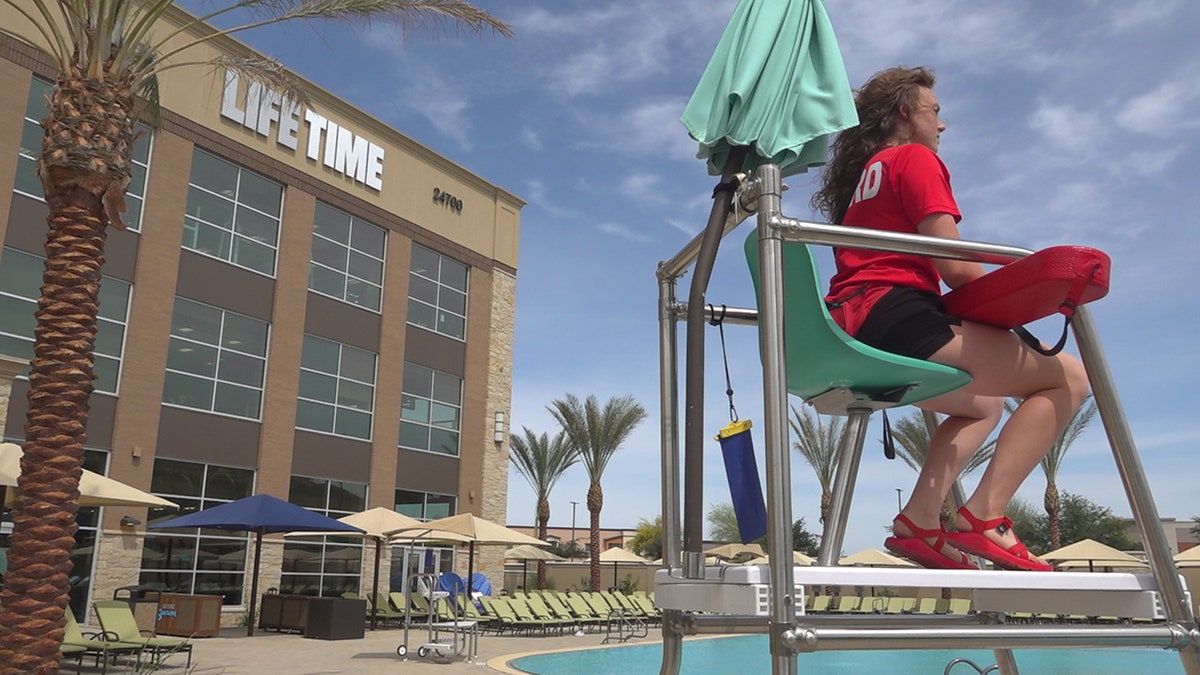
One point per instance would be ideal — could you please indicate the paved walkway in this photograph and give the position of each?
(271, 653)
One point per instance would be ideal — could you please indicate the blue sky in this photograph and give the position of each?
(1068, 122)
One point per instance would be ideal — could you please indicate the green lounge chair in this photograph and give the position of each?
(528, 615)
(415, 613)
(503, 607)
(98, 644)
(820, 604)
(116, 618)
(926, 606)
(537, 603)
(847, 604)
(383, 610)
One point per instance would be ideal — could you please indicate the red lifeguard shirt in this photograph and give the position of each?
(899, 187)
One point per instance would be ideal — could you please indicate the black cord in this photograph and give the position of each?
(718, 320)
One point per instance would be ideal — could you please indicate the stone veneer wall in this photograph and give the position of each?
(494, 493)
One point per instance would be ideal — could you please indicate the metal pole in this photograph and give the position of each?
(779, 471)
(849, 457)
(573, 505)
(693, 429)
(1141, 501)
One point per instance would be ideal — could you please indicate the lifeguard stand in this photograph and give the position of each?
(700, 599)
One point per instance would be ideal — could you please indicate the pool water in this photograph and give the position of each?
(748, 655)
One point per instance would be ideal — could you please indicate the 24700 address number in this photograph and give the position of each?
(447, 200)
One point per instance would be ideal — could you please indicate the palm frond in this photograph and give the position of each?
(597, 432)
(1078, 424)
(817, 443)
(541, 460)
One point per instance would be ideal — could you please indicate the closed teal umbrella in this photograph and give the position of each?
(774, 88)
(776, 83)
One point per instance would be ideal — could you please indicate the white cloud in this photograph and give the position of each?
(624, 232)
(1163, 110)
(1077, 133)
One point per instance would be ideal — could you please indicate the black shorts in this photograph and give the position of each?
(908, 322)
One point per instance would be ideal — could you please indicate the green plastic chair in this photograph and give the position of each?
(116, 619)
(823, 358)
(838, 375)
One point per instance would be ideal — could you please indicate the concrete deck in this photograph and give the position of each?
(233, 653)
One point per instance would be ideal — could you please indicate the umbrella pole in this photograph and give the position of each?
(470, 569)
(375, 589)
(524, 579)
(693, 457)
(254, 579)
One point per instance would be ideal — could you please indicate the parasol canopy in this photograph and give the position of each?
(1091, 553)
(735, 551)
(618, 556)
(94, 489)
(776, 82)
(873, 557)
(259, 514)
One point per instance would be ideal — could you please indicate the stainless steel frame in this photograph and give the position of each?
(789, 634)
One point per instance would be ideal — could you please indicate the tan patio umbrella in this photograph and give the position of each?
(798, 558)
(525, 553)
(473, 529)
(1188, 558)
(1091, 553)
(618, 555)
(94, 489)
(873, 557)
(373, 522)
(734, 551)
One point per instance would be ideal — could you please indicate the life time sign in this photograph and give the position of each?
(327, 141)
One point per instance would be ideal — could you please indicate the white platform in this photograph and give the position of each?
(745, 589)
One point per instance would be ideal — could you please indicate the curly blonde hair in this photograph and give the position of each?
(879, 103)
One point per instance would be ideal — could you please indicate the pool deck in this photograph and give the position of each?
(234, 653)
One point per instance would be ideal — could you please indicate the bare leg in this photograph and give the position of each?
(1051, 389)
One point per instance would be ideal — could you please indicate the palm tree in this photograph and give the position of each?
(1053, 461)
(542, 461)
(597, 433)
(108, 56)
(818, 444)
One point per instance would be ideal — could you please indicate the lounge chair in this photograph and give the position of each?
(561, 607)
(926, 606)
(504, 608)
(648, 609)
(504, 617)
(537, 603)
(526, 613)
(383, 610)
(116, 618)
(847, 604)
(99, 644)
(820, 604)
(415, 612)
(870, 604)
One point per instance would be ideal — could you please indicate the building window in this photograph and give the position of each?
(337, 388)
(216, 360)
(191, 560)
(232, 214)
(27, 181)
(430, 410)
(347, 258)
(437, 293)
(20, 288)
(424, 505)
(324, 566)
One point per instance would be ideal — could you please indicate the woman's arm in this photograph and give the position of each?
(954, 272)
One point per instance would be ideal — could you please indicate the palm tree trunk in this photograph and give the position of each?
(1053, 512)
(84, 169)
(595, 502)
(36, 586)
(543, 517)
(826, 500)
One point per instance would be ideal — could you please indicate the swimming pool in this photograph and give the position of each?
(748, 655)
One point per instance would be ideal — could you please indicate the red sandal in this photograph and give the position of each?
(916, 549)
(973, 541)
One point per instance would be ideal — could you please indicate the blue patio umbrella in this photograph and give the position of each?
(773, 90)
(259, 514)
